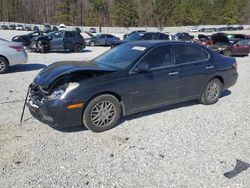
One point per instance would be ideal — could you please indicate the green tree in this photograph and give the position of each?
(125, 13)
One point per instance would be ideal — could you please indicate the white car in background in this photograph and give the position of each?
(62, 27)
(11, 53)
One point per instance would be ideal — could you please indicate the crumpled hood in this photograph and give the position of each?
(49, 74)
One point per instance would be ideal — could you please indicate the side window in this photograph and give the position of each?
(69, 34)
(57, 35)
(109, 36)
(190, 53)
(159, 57)
(102, 36)
(147, 37)
(164, 37)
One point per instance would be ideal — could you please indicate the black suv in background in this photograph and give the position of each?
(183, 37)
(59, 41)
(139, 36)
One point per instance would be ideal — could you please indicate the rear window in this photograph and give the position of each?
(190, 53)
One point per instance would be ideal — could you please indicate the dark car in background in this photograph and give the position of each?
(183, 36)
(240, 48)
(137, 36)
(59, 41)
(4, 27)
(92, 30)
(12, 27)
(98, 93)
(78, 29)
(47, 27)
(28, 28)
(227, 44)
(136, 31)
(26, 40)
(36, 28)
(101, 40)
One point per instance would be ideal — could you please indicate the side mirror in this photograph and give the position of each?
(142, 67)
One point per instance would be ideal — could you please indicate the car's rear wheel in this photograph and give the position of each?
(92, 43)
(4, 65)
(78, 48)
(212, 92)
(102, 113)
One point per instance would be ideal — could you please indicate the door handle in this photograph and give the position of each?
(173, 73)
(210, 67)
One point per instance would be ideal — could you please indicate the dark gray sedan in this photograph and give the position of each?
(101, 40)
(130, 78)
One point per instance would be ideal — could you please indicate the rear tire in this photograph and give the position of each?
(92, 43)
(212, 92)
(4, 65)
(78, 48)
(102, 113)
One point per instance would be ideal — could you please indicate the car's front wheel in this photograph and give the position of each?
(4, 65)
(102, 113)
(212, 92)
(228, 53)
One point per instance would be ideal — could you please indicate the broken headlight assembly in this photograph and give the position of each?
(61, 91)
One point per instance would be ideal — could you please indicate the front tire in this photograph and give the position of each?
(212, 92)
(102, 113)
(228, 53)
(4, 65)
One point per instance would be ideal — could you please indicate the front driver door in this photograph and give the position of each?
(157, 86)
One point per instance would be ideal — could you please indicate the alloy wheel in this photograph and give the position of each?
(103, 113)
(213, 91)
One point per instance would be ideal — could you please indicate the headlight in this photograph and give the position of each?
(62, 91)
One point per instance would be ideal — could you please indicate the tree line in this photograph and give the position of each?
(126, 13)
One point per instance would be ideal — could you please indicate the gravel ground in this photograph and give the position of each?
(183, 145)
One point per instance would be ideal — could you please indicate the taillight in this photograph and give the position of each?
(17, 48)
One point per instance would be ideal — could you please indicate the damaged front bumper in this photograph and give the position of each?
(53, 112)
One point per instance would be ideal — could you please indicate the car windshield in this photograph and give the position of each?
(135, 36)
(121, 56)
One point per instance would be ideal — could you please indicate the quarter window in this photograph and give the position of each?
(188, 53)
(159, 57)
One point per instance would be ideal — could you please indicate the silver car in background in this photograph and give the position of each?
(11, 53)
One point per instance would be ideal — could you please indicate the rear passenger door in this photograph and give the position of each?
(69, 40)
(195, 67)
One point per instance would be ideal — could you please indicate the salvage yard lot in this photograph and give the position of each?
(183, 145)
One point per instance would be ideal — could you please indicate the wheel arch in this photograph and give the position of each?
(219, 78)
(5, 58)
